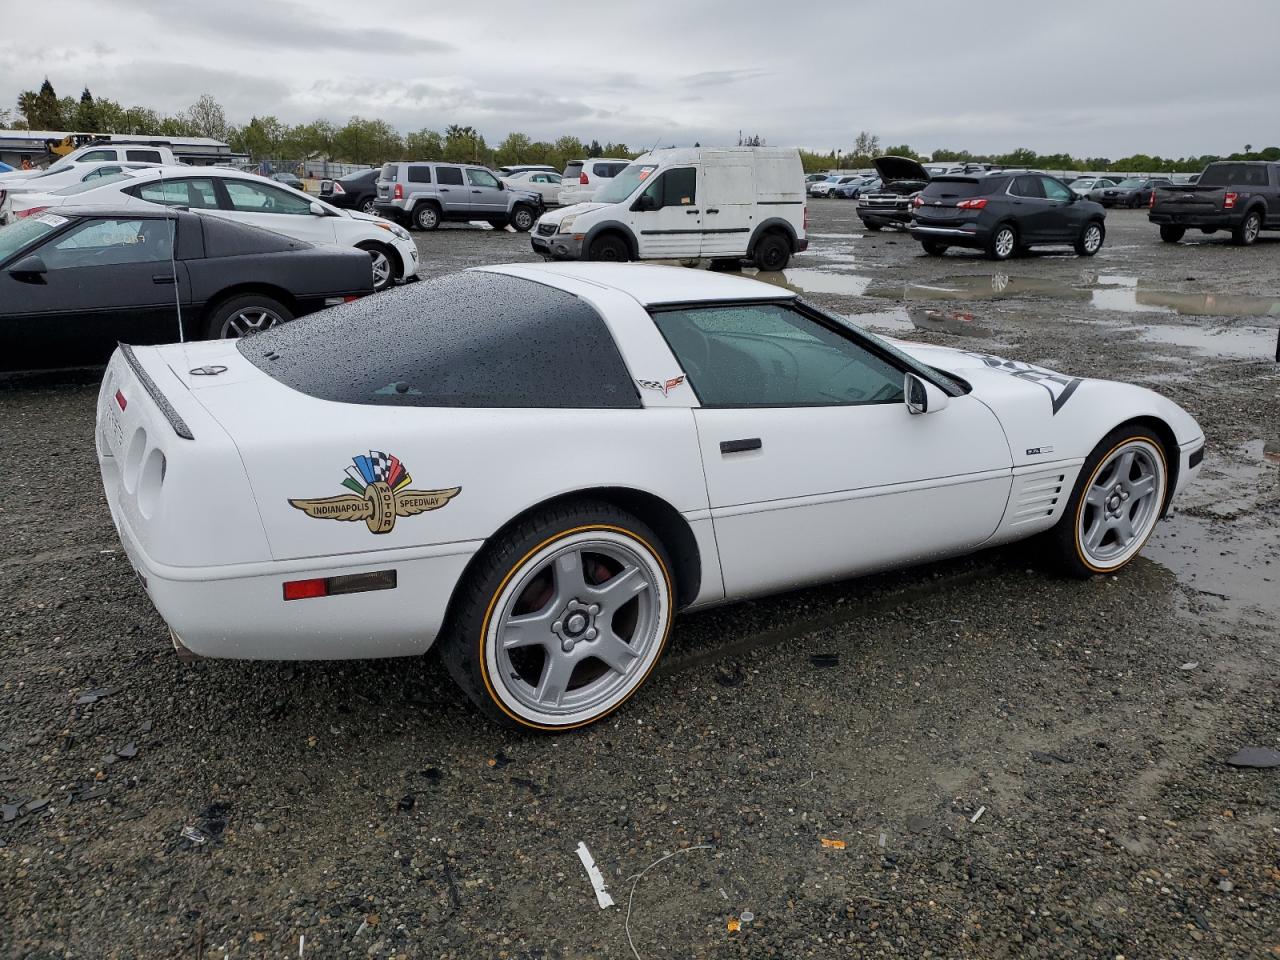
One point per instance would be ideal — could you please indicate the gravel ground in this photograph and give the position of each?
(968, 759)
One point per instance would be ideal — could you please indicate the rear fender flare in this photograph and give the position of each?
(771, 224)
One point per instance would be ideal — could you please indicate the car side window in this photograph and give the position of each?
(143, 156)
(249, 197)
(449, 175)
(100, 243)
(1027, 187)
(1055, 190)
(481, 178)
(419, 174)
(771, 355)
(675, 188)
(100, 172)
(196, 193)
(98, 155)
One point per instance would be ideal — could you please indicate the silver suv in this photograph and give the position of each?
(422, 195)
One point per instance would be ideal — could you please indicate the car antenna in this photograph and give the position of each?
(173, 264)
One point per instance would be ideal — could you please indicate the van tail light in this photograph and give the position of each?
(1229, 201)
(398, 192)
(32, 211)
(974, 203)
(806, 218)
(582, 178)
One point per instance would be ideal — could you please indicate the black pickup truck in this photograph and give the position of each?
(1242, 196)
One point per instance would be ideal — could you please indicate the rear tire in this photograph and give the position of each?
(772, 253)
(426, 216)
(934, 248)
(1003, 244)
(873, 227)
(537, 639)
(610, 248)
(367, 206)
(245, 315)
(1114, 507)
(1246, 235)
(1172, 234)
(523, 218)
(1091, 237)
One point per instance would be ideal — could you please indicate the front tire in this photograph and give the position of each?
(383, 262)
(245, 315)
(1090, 240)
(1172, 234)
(1246, 235)
(1115, 505)
(1003, 244)
(772, 253)
(873, 227)
(522, 218)
(610, 249)
(562, 618)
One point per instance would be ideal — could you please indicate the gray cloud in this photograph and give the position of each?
(717, 78)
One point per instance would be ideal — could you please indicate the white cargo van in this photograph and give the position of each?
(719, 203)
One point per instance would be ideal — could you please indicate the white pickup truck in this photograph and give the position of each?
(99, 153)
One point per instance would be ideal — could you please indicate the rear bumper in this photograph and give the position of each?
(391, 210)
(960, 236)
(238, 611)
(1196, 219)
(884, 217)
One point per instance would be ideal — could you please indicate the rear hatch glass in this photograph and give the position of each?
(949, 188)
(388, 171)
(572, 170)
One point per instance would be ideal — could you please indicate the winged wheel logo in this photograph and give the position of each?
(380, 485)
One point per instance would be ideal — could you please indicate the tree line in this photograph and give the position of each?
(367, 141)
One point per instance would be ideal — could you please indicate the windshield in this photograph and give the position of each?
(1130, 182)
(90, 185)
(625, 183)
(22, 232)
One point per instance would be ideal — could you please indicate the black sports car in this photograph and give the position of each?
(355, 191)
(75, 282)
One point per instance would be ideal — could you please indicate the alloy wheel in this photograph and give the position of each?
(1004, 243)
(381, 269)
(1121, 504)
(1092, 238)
(250, 320)
(577, 627)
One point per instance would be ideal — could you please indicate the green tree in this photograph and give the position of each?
(424, 145)
(207, 118)
(514, 149)
(86, 114)
(42, 109)
(866, 144)
(463, 144)
(903, 150)
(366, 141)
(566, 149)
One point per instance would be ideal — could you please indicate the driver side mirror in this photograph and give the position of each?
(646, 201)
(317, 210)
(29, 269)
(922, 396)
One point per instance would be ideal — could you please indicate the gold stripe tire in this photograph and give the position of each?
(469, 644)
(1063, 543)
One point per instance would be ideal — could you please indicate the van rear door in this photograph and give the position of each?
(728, 198)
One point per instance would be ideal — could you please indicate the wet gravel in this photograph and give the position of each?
(968, 759)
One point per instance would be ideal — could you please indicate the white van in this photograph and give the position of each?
(719, 203)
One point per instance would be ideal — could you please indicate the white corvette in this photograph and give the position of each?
(538, 465)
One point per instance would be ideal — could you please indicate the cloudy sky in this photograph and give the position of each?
(1092, 78)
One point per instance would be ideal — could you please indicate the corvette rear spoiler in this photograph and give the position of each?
(161, 401)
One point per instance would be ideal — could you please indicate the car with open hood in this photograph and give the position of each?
(901, 178)
(343, 487)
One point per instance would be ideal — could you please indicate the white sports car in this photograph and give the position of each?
(537, 465)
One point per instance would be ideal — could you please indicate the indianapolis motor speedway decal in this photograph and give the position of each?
(380, 483)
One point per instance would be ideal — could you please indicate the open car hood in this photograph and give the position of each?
(900, 168)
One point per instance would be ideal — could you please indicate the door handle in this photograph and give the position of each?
(713, 210)
(691, 212)
(475, 191)
(740, 446)
(444, 189)
(163, 278)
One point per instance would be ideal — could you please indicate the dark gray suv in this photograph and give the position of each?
(1003, 214)
(422, 195)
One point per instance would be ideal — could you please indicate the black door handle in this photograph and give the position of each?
(712, 210)
(740, 446)
(163, 278)
(444, 189)
(475, 191)
(691, 212)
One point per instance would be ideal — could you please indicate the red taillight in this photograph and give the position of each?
(351, 299)
(975, 203)
(1152, 201)
(29, 212)
(398, 193)
(306, 589)
(121, 400)
(582, 178)
(1229, 201)
(918, 202)
(337, 188)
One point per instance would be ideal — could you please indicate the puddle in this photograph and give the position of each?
(1132, 298)
(1222, 540)
(1237, 343)
(995, 286)
(812, 280)
(833, 236)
